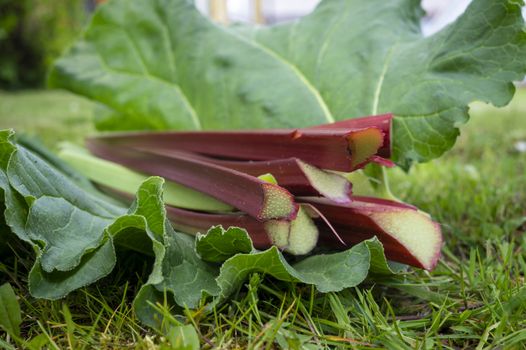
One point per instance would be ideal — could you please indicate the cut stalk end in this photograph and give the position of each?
(278, 232)
(363, 144)
(303, 235)
(329, 185)
(409, 236)
(297, 237)
(415, 231)
(278, 203)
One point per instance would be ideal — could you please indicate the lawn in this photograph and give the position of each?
(475, 298)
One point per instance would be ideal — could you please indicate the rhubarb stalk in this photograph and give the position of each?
(382, 122)
(335, 149)
(258, 198)
(408, 235)
(117, 177)
(298, 177)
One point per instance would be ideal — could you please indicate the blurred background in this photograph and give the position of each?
(34, 32)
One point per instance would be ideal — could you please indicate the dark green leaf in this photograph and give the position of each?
(71, 230)
(188, 279)
(55, 285)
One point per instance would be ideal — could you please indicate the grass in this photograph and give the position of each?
(475, 299)
(49, 115)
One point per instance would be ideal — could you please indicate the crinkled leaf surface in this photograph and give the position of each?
(71, 230)
(74, 233)
(159, 64)
(219, 244)
(188, 279)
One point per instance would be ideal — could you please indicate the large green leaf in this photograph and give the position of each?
(188, 280)
(159, 64)
(370, 57)
(72, 230)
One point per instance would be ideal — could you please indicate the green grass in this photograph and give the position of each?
(475, 299)
(52, 116)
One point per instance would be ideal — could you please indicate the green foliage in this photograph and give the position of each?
(50, 116)
(74, 234)
(473, 298)
(32, 34)
(348, 58)
(10, 318)
(219, 244)
(183, 338)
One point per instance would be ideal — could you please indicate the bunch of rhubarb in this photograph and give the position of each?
(286, 187)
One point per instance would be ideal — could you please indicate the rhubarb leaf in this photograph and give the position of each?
(370, 57)
(218, 244)
(329, 273)
(72, 231)
(347, 59)
(55, 285)
(142, 229)
(188, 280)
(62, 222)
(140, 59)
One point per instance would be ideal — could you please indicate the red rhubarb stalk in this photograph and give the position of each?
(336, 149)
(298, 177)
(260, 199)
(409, 236)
